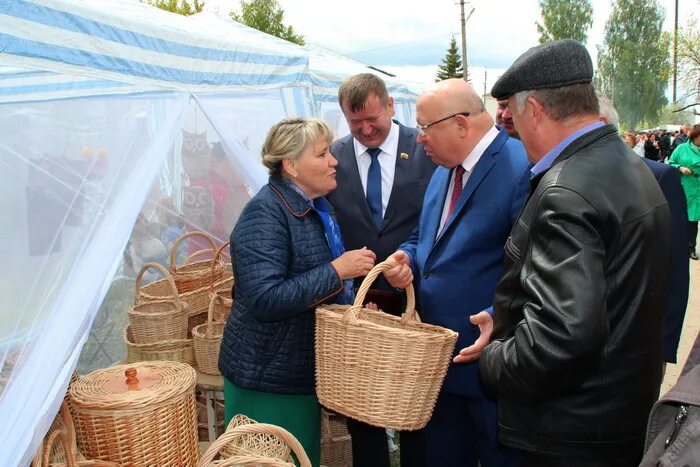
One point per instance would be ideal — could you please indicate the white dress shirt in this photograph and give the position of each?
(468, 165)
(387, 161)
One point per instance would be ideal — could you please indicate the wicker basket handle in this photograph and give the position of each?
(355, 311)
(253, 429)
(182, 238)
(210, 314)
(214, 260)
(166, 274)
(62, 436)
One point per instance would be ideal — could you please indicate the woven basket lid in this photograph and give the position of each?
(132, 386)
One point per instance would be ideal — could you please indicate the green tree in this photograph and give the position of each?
(673, 115)
(565, 19)
(689, 65)
(633, 64)
(266, 16)
(181, 7)
(452, 63)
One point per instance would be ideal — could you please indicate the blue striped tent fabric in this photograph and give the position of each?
(84, 48)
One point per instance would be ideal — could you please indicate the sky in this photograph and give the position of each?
(410, 37)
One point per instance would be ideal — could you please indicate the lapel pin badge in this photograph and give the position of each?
(404, 155)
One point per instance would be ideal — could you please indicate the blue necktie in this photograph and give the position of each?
(374, 186)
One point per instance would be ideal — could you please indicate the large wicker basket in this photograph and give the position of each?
(247, 442)
(206, 339)
(377, 368)
(158, 320)
(195, 275)
(174, 350)
(336, 444)
(145, 419)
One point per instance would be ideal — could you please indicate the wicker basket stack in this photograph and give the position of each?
(158, 329)
(377, 368)
(247, 442)
(195, 281)
(145, 419)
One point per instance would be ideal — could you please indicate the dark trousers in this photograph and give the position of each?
(692, 234)
(529, 459)
(370, 448)
(463, 432)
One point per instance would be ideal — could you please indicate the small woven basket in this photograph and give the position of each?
(206, 339)
(377, 368)
(174, 350)
(195, 275)
(247, 442)
(336, 444)
(146, 419)
(159, 320)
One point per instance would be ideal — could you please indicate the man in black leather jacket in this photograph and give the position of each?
(575, 354)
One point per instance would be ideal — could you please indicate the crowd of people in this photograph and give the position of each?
(540, 237)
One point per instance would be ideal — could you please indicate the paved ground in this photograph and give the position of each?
(691, 327)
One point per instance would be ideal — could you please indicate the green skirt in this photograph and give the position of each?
(298, 414)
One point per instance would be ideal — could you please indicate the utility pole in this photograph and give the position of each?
(675, 54)
(486, 69)
(464, 39)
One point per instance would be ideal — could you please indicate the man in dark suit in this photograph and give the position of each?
(456, 254)
(382, 174)
(669, 180)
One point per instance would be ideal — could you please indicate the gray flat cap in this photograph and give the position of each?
(552, 65)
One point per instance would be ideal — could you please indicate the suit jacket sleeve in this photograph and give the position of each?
(559, 336)
(679, 277)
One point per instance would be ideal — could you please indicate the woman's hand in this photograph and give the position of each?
(685, 170)
(355, 263)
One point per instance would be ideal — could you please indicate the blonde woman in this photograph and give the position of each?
(288, 258)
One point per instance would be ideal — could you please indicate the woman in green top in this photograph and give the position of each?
(686, 158)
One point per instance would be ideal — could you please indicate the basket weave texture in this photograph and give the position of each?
(336, 443)
(377, 368)
(207, 338)
(174, 350)
(151, 423)
(59, 447)
(247, 442)
(157, 320)
(195, 275)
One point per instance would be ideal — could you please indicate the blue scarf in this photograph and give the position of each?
(333, 237)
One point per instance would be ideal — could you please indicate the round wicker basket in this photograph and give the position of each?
(145, 419)
(377, 368)
(247, 442)
(158, 320)
(195, 275)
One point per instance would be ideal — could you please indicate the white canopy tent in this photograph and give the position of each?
(110, 112)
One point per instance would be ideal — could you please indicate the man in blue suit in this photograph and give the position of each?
(456, 253)
(669, 180)
(382, 175)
